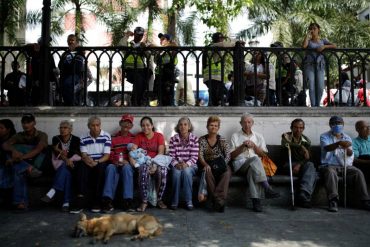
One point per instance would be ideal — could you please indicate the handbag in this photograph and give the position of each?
(218, 166)
(269, 166)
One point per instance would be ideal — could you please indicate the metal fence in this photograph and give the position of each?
(172, 76)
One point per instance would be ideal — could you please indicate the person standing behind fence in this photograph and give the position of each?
(300, 146)
(135, 62)
(165, 77)
(333, 145)
(71, 67)
(212, 69)
(314, 62)
(15, 83)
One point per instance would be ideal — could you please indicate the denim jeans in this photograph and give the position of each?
(63, 181)
(316, 80)
(112, 175)
(307, 176)
(20, 192)
(184, 178)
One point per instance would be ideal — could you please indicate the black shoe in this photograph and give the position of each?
(270, 193)
(304, 204)
(366, 205)
(257, 206)
(107, 205)
(219, 207)
(333, 206)
(128, 205)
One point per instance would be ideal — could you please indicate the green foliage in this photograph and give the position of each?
(217, 13)
(11, 18)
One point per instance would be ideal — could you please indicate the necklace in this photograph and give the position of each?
(65, 146)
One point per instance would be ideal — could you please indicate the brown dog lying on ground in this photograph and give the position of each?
(104, 227)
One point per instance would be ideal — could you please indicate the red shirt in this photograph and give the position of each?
(119, 145)
(150, 145)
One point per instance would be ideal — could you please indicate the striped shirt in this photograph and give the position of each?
(96, 147)
(184, 150)
(119, 145)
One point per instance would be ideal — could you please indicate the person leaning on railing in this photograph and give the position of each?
(314, 62)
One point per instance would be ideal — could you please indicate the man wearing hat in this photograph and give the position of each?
(27, 155)
(136, 66)
(120, 167)
(212, 70)
(336, 152)
(165, 76)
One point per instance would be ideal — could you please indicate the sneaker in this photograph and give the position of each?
(333, 206)
(21, 207)
(270, 193)
(33, 172)
(65, 208)
(107, 206)
(75, 210)
(366, 205)
(173, 207)
(189, 206)
(257, 206)
(304, 204)
(95, 209)
(219, 207)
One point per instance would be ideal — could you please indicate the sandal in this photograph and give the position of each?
(161, 205)
(142, 207)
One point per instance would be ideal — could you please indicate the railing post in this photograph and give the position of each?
(239, 92)
(45, 51)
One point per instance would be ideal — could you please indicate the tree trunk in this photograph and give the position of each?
(172, 18)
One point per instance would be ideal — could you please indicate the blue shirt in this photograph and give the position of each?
(330, 157)
(361, 146)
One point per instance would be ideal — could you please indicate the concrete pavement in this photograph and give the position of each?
(238, 226)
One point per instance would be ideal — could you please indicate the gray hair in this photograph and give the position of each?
(92, 119)
(246, 115)
(66, 122)
(189, 123)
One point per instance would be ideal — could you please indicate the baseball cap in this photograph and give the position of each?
(139, 30)
(166, 36)
(127, 117)
(217, 36)
(27, 118)
(336, 119)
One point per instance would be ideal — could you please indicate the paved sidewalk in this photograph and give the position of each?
(236, 227)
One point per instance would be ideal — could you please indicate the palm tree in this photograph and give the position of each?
(11, 16)
(153, 13)
(288, 20)
(113, 13)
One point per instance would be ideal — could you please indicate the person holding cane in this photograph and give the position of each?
(333, 145)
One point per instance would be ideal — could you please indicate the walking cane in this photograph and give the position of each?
(345, 178)
(291, 174)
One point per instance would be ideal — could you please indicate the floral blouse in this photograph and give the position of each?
(221, 148)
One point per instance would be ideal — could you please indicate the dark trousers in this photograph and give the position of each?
(216, 90)
(91, 182)
(355, 179)
(218, 186)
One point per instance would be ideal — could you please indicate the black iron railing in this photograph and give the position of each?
(123, 76)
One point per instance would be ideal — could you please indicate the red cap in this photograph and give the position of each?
(127, 117)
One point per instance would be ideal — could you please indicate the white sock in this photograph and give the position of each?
(51, 193)
(66, 204)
